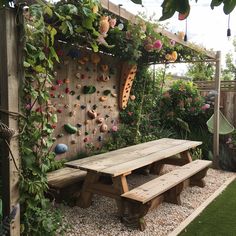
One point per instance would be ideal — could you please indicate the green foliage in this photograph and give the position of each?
(36, 139)
(40, 221)
(182, 101)
(180, 109)
(201, 71)
(169, 7)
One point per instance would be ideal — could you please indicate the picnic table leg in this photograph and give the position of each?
(185, 157)
(85, 198)
(120, 185)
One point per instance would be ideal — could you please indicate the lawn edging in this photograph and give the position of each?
(191, 217)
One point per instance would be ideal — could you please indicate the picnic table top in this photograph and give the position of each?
(127, 159)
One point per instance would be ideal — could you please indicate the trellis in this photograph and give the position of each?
(11, 75)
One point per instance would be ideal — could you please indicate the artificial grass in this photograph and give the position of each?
(218, 219)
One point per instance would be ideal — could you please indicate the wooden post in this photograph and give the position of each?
(9, 100)
(216, 150)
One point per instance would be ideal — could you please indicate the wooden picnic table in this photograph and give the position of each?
(120, 163)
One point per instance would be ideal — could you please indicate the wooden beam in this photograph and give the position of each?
(9, 84)
(216, 150)
(121, 12)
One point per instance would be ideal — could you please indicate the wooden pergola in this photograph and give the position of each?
(10, 77)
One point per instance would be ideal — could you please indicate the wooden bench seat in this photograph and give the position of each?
(64, 177)
(164, 188)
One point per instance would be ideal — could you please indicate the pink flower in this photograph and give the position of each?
(205, 107)
(157, 44)
(114, 128)
(172, 42)
(192, 109)
(28, 106)
(112, 22)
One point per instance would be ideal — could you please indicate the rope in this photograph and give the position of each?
(11, 113)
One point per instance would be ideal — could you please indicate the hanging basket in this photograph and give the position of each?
(224, 126)
(5, 131)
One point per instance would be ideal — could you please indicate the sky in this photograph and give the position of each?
(206, 27)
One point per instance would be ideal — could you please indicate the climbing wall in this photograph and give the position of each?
(84, 95)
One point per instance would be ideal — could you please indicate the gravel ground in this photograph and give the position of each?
(101, 218)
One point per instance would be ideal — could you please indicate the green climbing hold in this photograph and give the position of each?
(89, 89)
(70, 128)
(106, 92)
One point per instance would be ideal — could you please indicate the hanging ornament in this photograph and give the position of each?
(120, 24)
(186, 30)
(228, 30)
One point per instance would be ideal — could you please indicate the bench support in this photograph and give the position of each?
(137, 210)
(173, 195)
(197, 180)
(136, 213)
(85, 198)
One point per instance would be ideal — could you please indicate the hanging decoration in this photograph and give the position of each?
(228, 30)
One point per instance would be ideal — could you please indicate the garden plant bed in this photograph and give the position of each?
(101, 218)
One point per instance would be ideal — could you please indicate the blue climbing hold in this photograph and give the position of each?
(61, 148)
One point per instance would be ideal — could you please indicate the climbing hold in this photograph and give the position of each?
(107, 116)
(104, 67)
(54, 87)
(104, 78)
(114, 128)
(78, 97)
(77, 75)
(66, 106)
(83, 107)
(83, 76)
(79, 125)
(114, 95)
(70, 129)
(72, 113)
(87, 69)
(114, 87)
(99, 138)
(103, 128)
(78, 86)
(54, 139)
(86, 132)
(106, 92)
(66, 81)
(85, 139)
(60, 95)
(103, 98)
(95, 58)
(79, 133)
(87, 122)
(92, 114)
(67, 90)
(52, 95)
(100, 120)
(61, 148)
(59, 110)
(73, 141)
(59, 82)
(72, 92)
(60, 135)
(89, 89)
(94, 131)
(95, 106)
(132, 97)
